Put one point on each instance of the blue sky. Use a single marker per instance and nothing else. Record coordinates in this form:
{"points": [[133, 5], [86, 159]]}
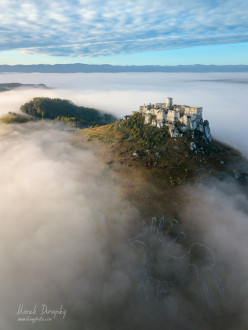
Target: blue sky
{"points": [[165, 32]]}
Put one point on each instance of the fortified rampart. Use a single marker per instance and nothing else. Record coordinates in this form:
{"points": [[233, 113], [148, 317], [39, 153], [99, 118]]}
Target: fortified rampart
{"points": [[178, 118]]}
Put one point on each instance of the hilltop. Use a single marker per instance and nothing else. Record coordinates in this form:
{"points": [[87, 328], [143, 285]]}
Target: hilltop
{"points": [[65, 110], [154, 148], [58, 110], [153, 166]]}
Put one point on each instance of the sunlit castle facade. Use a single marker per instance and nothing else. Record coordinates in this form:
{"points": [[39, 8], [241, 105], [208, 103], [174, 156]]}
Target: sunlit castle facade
{"points": [[178, 118]]}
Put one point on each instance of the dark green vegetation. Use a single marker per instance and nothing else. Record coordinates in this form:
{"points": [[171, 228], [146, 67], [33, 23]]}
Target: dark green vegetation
{"points": [[65, 110], [146, 135], [9, 86]]}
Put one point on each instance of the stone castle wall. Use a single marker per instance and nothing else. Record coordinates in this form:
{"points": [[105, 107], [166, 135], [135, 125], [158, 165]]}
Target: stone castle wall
{"points": [[168, 114]]}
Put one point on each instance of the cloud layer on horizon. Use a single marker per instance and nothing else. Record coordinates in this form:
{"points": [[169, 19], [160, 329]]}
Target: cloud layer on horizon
{"points": [[222, 95], [96, 28]]}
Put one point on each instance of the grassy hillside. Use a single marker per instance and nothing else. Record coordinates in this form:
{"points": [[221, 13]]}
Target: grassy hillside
{"points": [[152, 166], [65, 110], [110, 132], [153, 148], [12, 117]]}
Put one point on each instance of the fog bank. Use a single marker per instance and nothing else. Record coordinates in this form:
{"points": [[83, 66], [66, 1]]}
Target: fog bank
{"points": [[223, 95], [69, 238], [63, 230], [218, 211]]}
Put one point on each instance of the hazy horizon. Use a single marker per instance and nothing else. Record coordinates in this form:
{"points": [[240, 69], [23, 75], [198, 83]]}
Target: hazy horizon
{"points": [[81, 67], [222, 95]]}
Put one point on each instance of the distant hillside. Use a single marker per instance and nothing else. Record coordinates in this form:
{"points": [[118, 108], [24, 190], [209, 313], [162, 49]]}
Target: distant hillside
{"points": [[87, 68], [12, 118], [65, 110], [9, 86]]}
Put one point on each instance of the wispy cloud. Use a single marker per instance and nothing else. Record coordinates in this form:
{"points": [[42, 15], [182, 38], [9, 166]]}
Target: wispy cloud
{"points": [[94, 28]]}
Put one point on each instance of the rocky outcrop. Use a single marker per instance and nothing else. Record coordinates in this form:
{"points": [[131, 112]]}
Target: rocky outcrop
{"points": [[206, 130], [203, 127]]}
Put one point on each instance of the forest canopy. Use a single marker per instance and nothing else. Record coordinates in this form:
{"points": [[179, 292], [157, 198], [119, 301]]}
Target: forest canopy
{"points": [[65, 110]]}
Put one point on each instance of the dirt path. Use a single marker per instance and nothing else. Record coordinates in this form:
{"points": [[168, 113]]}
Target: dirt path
{"points": [[129, 135]]}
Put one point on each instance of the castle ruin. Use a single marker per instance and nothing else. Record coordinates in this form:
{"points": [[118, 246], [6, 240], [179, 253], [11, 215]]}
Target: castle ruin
{"points": [[178, 118]]}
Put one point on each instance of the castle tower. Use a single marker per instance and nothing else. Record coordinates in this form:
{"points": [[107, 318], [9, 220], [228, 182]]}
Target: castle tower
{"points": [[169, 101]]}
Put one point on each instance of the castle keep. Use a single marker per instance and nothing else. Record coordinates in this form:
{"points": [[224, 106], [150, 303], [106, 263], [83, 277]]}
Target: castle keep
{"points": [[178, 118]]}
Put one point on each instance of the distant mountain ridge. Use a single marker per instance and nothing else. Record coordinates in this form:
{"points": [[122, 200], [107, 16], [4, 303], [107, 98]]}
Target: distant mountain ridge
{"points": [[107, 68]]}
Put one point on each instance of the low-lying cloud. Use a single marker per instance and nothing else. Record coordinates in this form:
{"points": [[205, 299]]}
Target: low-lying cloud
{"points": [[66, 244], [66, 227], [219, 213], [63, 230], [223, 95]]}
